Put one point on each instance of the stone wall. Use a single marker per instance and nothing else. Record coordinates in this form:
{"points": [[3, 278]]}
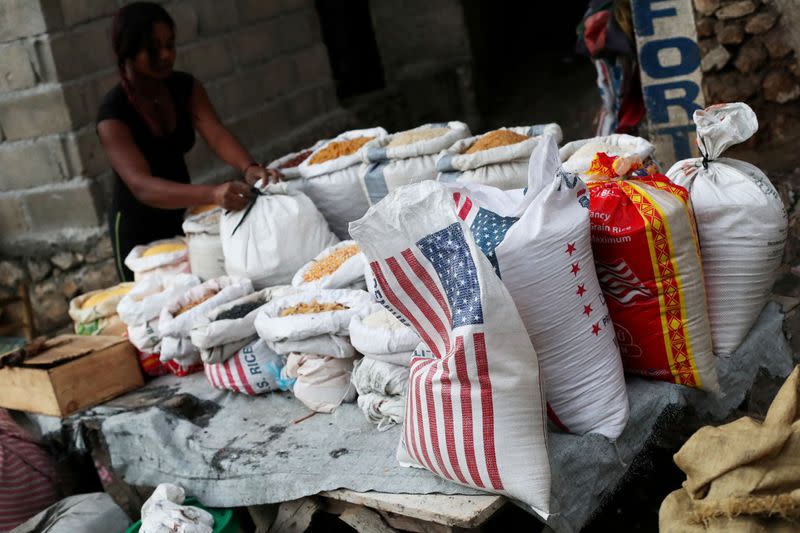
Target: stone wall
{"points": [[750, 53]]}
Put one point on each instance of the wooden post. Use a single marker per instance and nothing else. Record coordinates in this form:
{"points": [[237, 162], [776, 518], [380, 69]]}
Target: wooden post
{"points": [[669, 62]]}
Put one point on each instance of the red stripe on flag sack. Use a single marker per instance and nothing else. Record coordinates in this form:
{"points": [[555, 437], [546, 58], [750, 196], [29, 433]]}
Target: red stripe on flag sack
{"points": [[449, 432], [227, 368], [465, 209], [457, 197], [420, 428], [426, 278], [433, 417], [423, 305], [412, 447], [242, 376], [488, 410], [218, 368], [390, 295], [554, 418], [466, 412], [207, 372]]}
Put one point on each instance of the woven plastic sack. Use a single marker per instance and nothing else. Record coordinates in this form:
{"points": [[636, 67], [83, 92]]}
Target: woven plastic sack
{"points": [[206, 258], [377, 334], [475, 412], [349, 275], [268, 242], [293, 173], [165, 256], [335, 186], [504, 167], [540, 246], [577, 156], [321, 383], [95, 313], [741, 222], [252, 370], [386, 167], [648, 261]]}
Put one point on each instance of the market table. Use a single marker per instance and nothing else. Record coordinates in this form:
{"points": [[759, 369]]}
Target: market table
{"points": [[231, 450]]}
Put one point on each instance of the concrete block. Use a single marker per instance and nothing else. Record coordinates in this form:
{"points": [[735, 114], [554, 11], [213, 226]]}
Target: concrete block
{"points": [[21, 18], [71, 205], [294, 5], [213, 20], [253, 10], [199, 159], [44, 64], [90, 43], [275, 78], [87, 157], [295, 31], [312, 65], [262, 125], [16, 69], [32, 163], [83, 96], [304, 105], [206, 60], [257, 43], [185, 18], [13, 220], [236, 94], [78, 11], [35, 112]]}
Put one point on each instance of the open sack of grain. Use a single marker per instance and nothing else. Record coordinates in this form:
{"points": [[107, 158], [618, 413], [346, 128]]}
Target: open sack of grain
{"points": [[95, 313], [381, 390], [204, 244], [339, 267], [165, 256], [498, 158], [180, 314], [271, 240], [289, 164], [577, 156], [332, 178], [406, 157], [741, 222], [377, 334], [539, 245]]}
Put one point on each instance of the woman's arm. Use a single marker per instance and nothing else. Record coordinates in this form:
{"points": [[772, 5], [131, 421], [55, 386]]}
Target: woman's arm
{"points": [[222, 141], [129, 162]]}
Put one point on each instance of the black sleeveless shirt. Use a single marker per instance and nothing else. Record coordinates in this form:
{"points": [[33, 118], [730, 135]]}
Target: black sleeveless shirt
{"points": [[134, 222]]}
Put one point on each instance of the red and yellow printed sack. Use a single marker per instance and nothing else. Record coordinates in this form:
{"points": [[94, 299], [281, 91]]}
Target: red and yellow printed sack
{"points": [[647, 255]]}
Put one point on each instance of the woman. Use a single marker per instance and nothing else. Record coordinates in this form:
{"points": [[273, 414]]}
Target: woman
{"points": [[147, 123]]}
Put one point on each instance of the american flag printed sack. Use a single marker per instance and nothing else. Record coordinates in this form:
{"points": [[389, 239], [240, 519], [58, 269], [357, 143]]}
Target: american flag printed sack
{"points": [[648, 260], [541, 248], [253, 370], [475, 411]]}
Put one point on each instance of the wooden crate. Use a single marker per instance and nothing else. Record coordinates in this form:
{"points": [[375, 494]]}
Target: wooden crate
{"points": [[72, 373]]}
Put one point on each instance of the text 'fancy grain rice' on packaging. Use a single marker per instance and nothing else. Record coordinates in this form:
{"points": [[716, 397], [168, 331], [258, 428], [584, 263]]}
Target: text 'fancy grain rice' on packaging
{"points": [[648, 262]]}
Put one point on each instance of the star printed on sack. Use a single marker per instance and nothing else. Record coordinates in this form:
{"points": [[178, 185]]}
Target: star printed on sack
{"points": [[596, 329], [581, 290], [570, 249], [575, 269], [489, 229], [587, 310]]}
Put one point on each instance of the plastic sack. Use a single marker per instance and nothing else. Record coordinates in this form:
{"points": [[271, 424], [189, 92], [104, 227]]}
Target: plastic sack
{"points": [[85, 513], [378, 334], [94, 313], [291, 173], [268, 242], [540, 246], [475, 412], [321, 383], [254, 369], [577, 156], [386, 167], [205, 246], [163, 511], [182, 313], [504, 167], [335, 186], [384, 378], [349, 274], [383, 411], [741, 222], [148, 296], [648, 261], [165, 256]]}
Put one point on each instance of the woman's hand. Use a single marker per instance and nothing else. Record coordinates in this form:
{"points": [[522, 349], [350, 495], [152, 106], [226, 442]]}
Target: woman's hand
{"points": [[255, 173], [232, 195]]}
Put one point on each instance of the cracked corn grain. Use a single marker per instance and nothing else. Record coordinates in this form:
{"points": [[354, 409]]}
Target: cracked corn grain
{"points": [[330, 264], [195, 303], [313, 307], [496, 138], [164, 249], [411, 137], [337, 149]]}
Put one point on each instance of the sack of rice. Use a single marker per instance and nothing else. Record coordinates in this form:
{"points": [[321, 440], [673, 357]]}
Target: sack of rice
{"points": [[205, 246], [741, 222], [648, 261], [406, 157], [188, 310], [253, 369], [95, 313], [339, 267], [540, 246], [378, 334], [381, 391], [231, 326], [321, 383], [577, 156], [268, 242], [332, 178], [166, 256], [311, 321], [498, 158], [289, 164]]}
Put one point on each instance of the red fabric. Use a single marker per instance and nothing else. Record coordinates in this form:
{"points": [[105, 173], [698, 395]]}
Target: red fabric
{"points": [[594, 32], [27, 475]]}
